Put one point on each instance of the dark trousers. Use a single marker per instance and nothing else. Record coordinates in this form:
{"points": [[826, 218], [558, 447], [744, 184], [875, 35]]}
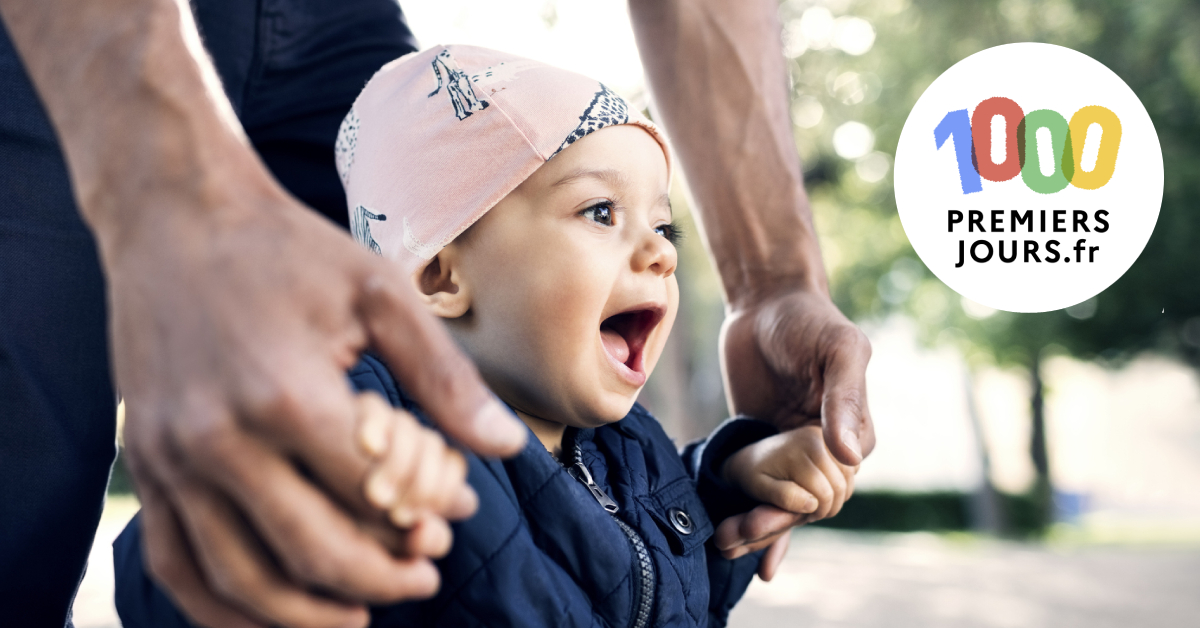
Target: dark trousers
{"points": [[291, 68]]}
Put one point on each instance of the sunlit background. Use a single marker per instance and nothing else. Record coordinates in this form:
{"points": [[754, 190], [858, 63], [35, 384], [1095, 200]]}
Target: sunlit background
{"points": [[1032, 470]]}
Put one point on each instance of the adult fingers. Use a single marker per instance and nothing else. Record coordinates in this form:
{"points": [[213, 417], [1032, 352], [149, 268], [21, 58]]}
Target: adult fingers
{"points": [[169, 562], [239, 571], [748, 548], [761, 522], [313, 416], [849, 433], [773, 558], [425, 359], [314, 540], [430, 536]]}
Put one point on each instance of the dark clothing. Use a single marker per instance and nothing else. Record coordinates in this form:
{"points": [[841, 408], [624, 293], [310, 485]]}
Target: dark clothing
{"points": [[57, 410], [542, 551], [292, 68]]}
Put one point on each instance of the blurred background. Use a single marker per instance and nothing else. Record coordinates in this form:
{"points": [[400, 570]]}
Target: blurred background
{"points": [[1032, 469]]}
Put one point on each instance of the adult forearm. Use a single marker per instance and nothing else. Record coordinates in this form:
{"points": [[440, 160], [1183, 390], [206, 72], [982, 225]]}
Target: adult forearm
{"points": [[788, 356], [719, 81], [136, 102]]}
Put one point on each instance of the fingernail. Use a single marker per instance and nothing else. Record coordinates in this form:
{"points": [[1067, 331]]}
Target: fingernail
{"points": [[381, 491], [810, 506], [850, 440], [403, 517], [505, 430], [373, 436]]}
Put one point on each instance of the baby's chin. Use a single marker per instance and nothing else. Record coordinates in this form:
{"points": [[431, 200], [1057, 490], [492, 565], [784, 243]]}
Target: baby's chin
{"points": [[600, 415], [567, 405]]}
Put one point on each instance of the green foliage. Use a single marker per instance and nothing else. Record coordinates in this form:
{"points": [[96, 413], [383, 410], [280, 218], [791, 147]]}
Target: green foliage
{"points": [[940, 511], [1154, 45], [902, 512]]}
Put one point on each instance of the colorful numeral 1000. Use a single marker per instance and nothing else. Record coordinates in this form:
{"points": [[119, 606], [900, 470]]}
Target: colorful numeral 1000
{"points": [[973, 142]]}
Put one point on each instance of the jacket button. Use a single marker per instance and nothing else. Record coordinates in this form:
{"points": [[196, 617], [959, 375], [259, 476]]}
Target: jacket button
{"points": [[680, 521]]}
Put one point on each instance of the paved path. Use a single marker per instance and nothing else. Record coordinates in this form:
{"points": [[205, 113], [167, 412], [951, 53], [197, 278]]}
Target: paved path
{"points": [[847, 580], [852, 580]]}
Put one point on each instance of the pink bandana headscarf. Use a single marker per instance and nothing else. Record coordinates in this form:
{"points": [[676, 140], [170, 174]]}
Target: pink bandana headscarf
{"points": [[438, 137]]}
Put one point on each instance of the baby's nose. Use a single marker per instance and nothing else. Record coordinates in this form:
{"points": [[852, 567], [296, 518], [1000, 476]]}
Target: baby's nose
{"points": [[655, 254]]}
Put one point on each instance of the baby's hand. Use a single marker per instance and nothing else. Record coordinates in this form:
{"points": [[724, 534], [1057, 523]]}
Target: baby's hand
{"points": [[793, 471], [417, 479]]}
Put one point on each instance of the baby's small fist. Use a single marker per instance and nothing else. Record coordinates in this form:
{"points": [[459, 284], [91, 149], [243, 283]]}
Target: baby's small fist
{"points": [[416, 475], [793, 471]]}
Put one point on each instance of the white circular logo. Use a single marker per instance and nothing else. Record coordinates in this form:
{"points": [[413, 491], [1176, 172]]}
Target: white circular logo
{"points": [[1028, 177]]}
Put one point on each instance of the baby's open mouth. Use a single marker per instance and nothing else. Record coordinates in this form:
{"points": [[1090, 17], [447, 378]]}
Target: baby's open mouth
{"points": [[624, 335]]}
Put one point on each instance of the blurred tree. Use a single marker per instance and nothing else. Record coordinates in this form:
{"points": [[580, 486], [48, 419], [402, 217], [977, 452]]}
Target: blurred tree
{"points": [[859, 67]]}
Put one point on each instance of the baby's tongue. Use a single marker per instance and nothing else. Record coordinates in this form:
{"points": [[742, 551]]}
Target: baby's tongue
{"points": [[615, 344]]}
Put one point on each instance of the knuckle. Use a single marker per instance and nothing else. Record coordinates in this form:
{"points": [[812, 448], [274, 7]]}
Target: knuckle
{"points": [[851, 336], [164, 567], [144, 455], [824, 495], [796, 501], [848, 398], [276, 403], [324, 568], [207, 436], [236, 586], [305, 567], [844, 333], [378, 289], [847, 341]]}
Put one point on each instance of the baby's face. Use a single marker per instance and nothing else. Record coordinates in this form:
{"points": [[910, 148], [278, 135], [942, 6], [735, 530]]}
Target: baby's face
{"points": [[570, 281]]}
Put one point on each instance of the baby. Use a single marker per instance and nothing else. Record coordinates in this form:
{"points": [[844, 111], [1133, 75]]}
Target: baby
{"points": [[530, 205]]}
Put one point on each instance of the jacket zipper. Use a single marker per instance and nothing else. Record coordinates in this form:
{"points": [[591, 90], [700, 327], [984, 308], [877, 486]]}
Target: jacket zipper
{"points": [[644, 588]]}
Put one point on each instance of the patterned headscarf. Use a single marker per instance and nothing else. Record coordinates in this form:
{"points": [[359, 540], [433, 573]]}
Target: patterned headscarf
{"points": [[438, 137]]}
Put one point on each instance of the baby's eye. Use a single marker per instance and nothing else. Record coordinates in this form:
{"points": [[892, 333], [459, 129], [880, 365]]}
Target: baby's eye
{"points": [[671, 232], [600, 212]]}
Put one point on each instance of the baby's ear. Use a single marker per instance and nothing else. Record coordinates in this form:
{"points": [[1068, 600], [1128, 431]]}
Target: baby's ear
{"points": [[441, 285]]}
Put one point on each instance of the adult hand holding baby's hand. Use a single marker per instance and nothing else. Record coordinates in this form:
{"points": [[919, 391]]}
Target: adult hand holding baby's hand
{"points": [[792, 358], [797, 478], [235, 314]]}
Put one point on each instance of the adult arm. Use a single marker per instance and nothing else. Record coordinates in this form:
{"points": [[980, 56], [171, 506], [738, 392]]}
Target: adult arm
{"points": [[234, 313], [719, 80]]}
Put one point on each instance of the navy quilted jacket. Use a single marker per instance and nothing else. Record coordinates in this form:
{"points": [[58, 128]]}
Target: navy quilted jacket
{"points": [[615, 536]]}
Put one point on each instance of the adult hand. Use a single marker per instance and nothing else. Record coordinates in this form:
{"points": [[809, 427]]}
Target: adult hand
{"points": [[788, 354], [234, 317], [234, 313], [794, 359]]}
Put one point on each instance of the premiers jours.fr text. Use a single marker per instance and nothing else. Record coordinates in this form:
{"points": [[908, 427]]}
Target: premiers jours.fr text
{"points": [[1027, 221]]}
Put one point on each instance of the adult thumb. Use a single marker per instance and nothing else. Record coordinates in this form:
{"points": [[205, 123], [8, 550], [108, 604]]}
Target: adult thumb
{"points": [[426, 361]]}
